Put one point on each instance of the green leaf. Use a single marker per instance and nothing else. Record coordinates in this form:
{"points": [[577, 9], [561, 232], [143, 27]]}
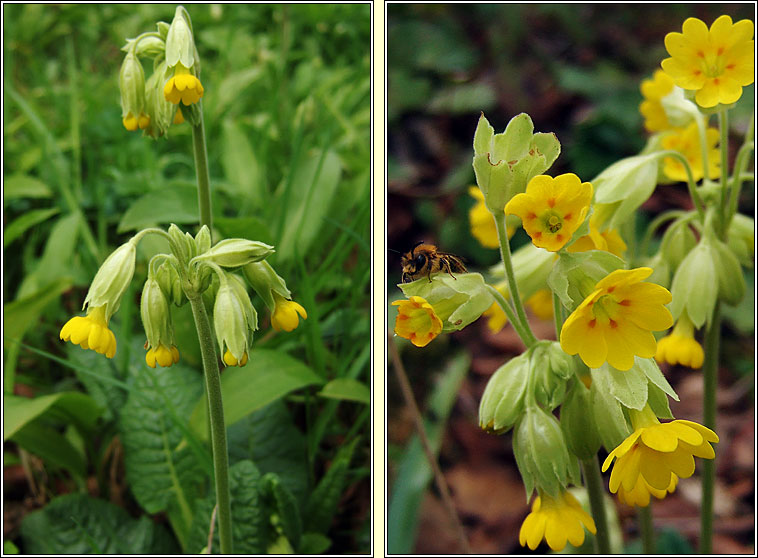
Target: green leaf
{"points": [[658, 401], [609, 416], [463, 98], [250, 529], [9, 547], [173, 204], [20, 411], [233, 86], [277, 446], [24, 186], [162, 472], [650, 368], [19, 315], [311, 195], [267, 376], [29, 219], [322, 502], [347, 389], [241, 165], [629, 387], [107, 394], [286, 508], [413, 471], [314, 543], [50, 445], [80, 524]]}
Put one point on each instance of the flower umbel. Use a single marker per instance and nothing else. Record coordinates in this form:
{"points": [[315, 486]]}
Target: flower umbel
{"points": [[552, 209], [687, 142], [615, 322], [285, 314], [91, 332], [417, 321], [680, 346], [716, 63], [557, 520], [656, 452]]}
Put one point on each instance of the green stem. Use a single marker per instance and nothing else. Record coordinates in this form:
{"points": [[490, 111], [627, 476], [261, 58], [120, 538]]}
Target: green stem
{"points": [[216, 416], [503, 303], [740, 166], [593, 480], [710, 376], [505, 253], [724, 150], [557, 315], [702, 124], [696, 199], [203, 177], [647, 531], [653, 226]]}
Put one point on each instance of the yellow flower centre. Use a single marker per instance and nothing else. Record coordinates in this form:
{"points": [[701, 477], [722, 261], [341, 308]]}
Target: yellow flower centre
{"points": [[606, 309]]}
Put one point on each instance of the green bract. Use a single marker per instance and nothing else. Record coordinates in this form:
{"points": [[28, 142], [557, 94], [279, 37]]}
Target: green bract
{"points": [[504, 163]]}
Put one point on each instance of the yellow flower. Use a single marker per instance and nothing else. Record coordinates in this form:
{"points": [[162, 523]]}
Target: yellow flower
{"points": [[131, 122], [541, 304], [229, 359], [687, 142], [417, 321], [557, 520], [640, 494], [608, 240], [680, 346], [183, 87], [162, 355], [482, 223], [285, 313], [496, 318], [653, 90], [614, 323], [91, 332], [552, 209], [715, 63], [657, 451]]}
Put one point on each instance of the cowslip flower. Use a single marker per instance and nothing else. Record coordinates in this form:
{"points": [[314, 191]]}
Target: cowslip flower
{"points": [[656, 452], [417, 321], [132, 122], [640, 495], [680, 347], [615, 322], [162, 356], [91, 332], [687, 142], [183, 87], [552, 209], [716, 63], [230, 360], [285, 313], [497, 319], [557, 520], [653, 90], [541, 304], [482, 223], [608, 240]]}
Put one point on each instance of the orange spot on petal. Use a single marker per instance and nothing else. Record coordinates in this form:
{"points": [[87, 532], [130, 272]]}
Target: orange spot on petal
{"points": [[551, 202], [567, 216], [613, 324], [537, 235], [611, 288], [592, 322], [700, 54], [559, 237], [625, 302]]}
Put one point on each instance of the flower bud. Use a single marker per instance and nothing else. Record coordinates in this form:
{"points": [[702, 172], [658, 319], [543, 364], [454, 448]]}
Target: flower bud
{"points": [[695, 286], [265, 281], [148, 46], [503, 400], [578, 425], [156, 320], [541, 453], [679, 110], [112, 279], [180, 47], [457, 301], [161, 112], [170, 283], [677, 242], [234, 318], [132, 87], [163, 28], [731, 279], [203, 240], [741, 238], [236, 252], [183, 244], [549, 368], [504, 163]]}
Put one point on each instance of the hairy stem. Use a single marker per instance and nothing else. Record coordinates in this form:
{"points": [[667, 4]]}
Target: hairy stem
{"points": [[647, 531], [593, 480], [203, 177], [216, 416], [710, 375]]}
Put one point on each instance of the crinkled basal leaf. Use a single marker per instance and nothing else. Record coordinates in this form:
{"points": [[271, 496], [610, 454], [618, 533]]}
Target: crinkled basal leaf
{"points": [[322, 502], [251, 531], [160, 471], [80, 524]]}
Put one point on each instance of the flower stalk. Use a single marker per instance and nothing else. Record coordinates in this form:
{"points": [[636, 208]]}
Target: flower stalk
{"points": [[593, 480], [203, 176]]}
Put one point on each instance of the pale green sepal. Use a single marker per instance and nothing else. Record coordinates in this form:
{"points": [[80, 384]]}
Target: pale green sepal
{"points": [[265, 281], [661, 270], [180, 47], [695, 285], [608, 415], [203, 240], [629, 181], [230, 321], [163, 28], [131, 83], [741, 238], [156, 318], [182, 245], [650, 368], [549, 369], [574, 275], [112, 279], [170, 283], [503, 400], [658, 401], [240, 289], [731, 279], [513, 144], [578, 425], [629, 387], [677, 242], [149, 46], [679, 110], [236, 252]]}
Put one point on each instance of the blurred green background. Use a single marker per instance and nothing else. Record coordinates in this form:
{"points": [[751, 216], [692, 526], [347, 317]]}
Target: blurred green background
{"points": [[287, 119], [576, 70]]}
